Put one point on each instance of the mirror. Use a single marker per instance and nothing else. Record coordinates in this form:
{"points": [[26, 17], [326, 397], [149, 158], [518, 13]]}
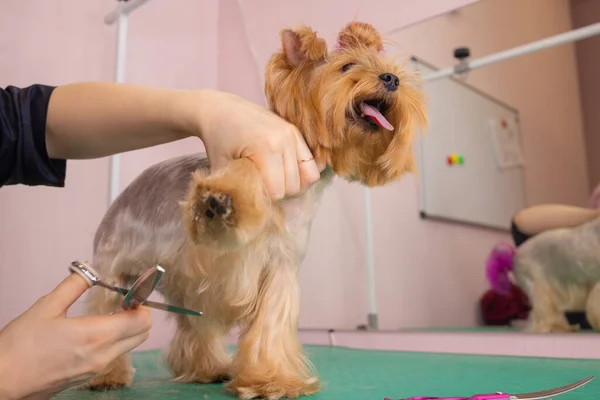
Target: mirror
{"points": [[516, 138]]}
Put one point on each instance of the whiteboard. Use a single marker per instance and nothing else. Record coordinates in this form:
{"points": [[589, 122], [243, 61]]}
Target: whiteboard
{"points": [[487, 188]]}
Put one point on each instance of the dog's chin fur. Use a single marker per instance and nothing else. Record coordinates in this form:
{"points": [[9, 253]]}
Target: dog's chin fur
{"points": [[559, 270], [230, 251]]}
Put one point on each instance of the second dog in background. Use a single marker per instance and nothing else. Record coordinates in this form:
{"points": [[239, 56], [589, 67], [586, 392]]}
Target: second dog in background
{"points": [[232, 252]]}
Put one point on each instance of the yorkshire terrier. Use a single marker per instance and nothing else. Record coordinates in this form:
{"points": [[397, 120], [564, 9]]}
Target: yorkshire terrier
{"points": [[228, 249], [559, 270]]}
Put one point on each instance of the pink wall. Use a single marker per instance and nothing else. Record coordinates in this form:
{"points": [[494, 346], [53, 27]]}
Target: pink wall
{"points": [[203, 44], [585, 12]]}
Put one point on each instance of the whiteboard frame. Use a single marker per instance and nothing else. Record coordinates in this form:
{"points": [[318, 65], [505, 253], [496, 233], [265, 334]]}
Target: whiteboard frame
{"points": [[419, 155]]}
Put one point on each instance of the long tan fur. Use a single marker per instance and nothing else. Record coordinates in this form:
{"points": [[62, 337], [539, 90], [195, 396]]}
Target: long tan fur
{"points": [[229, 250]]}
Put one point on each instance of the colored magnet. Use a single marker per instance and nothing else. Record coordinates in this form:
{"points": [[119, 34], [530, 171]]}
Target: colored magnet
{"points": [[454, 159]]}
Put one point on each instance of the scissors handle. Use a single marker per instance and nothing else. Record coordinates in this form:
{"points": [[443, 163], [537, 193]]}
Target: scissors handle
{"points": [[545, 394], [476, 397]]}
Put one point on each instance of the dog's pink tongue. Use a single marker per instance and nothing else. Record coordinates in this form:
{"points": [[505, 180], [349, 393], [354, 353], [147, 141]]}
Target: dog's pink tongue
{"points": [[375, 116]]}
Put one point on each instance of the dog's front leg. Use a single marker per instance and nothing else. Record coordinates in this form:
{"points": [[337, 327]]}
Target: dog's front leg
{"points": [[197, 352], [227, 209], [270, 362]]}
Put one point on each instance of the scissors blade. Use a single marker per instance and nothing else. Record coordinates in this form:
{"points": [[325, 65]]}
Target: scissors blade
{"points": [[170, 308], [552, 392], [144, 286]]}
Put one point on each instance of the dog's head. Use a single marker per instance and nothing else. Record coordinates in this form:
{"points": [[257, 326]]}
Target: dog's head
{"points": [[357, 110]]}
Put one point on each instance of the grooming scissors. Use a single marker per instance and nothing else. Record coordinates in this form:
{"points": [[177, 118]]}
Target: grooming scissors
{"points": [[138, 293], [546, 394]]}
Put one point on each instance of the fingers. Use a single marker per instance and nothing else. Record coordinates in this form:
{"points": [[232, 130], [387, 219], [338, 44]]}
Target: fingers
{"points": [[123, 324], [291, 170], [100, 339], [272, 173], [287, 167], [65, 294], [127, 344], [307, 166]]}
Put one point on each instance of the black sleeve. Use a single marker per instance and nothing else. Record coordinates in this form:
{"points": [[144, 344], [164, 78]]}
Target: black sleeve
{"points": [[23, 156]]}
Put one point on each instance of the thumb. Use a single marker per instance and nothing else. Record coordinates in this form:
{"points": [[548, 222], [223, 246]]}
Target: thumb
{"points": [[66, 293], [216, 159]]}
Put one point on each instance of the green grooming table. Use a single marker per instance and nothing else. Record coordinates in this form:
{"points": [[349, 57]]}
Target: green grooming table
{"points": [[368, 374], [488, 329]]}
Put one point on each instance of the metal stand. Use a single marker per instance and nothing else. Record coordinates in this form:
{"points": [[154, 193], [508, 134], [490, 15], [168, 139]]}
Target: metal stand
{"points": [[372, 317], [463, 66], [121, 16]]}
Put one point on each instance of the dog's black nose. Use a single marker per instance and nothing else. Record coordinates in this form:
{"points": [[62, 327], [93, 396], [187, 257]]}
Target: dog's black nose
{"points": [[390, 81]]}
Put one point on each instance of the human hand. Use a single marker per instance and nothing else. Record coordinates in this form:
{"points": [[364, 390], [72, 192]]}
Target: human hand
{"points": [[42, 352], [234, 128]]}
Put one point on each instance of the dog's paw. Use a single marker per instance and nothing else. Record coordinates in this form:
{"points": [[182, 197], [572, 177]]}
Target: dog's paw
{"points": [[111, 381], [273, 388], [553, 327], [213, 210], [200, 370], [204, 377], [216, 207], [225, 210]]}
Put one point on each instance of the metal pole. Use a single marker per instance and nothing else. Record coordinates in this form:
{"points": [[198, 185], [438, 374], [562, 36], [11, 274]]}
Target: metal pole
{"points": [[121, 16], [121, 62], [124, 7], [567, 37], [372, 317]]}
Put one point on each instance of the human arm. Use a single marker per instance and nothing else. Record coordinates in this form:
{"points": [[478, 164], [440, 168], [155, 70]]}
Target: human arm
{"points": [[99, 119], [543, 217], [44, 126], [90, 120], [42, 352]]}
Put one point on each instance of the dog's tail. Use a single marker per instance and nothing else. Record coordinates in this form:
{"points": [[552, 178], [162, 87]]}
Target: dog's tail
{"points": [[499, 265]]}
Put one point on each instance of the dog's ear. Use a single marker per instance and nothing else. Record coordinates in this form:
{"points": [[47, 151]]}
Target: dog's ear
{"points": [[360, 34], [302, 44]]}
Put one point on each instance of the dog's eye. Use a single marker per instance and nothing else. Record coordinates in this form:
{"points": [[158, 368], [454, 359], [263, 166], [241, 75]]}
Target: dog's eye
{"points": [[346, 67]]}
